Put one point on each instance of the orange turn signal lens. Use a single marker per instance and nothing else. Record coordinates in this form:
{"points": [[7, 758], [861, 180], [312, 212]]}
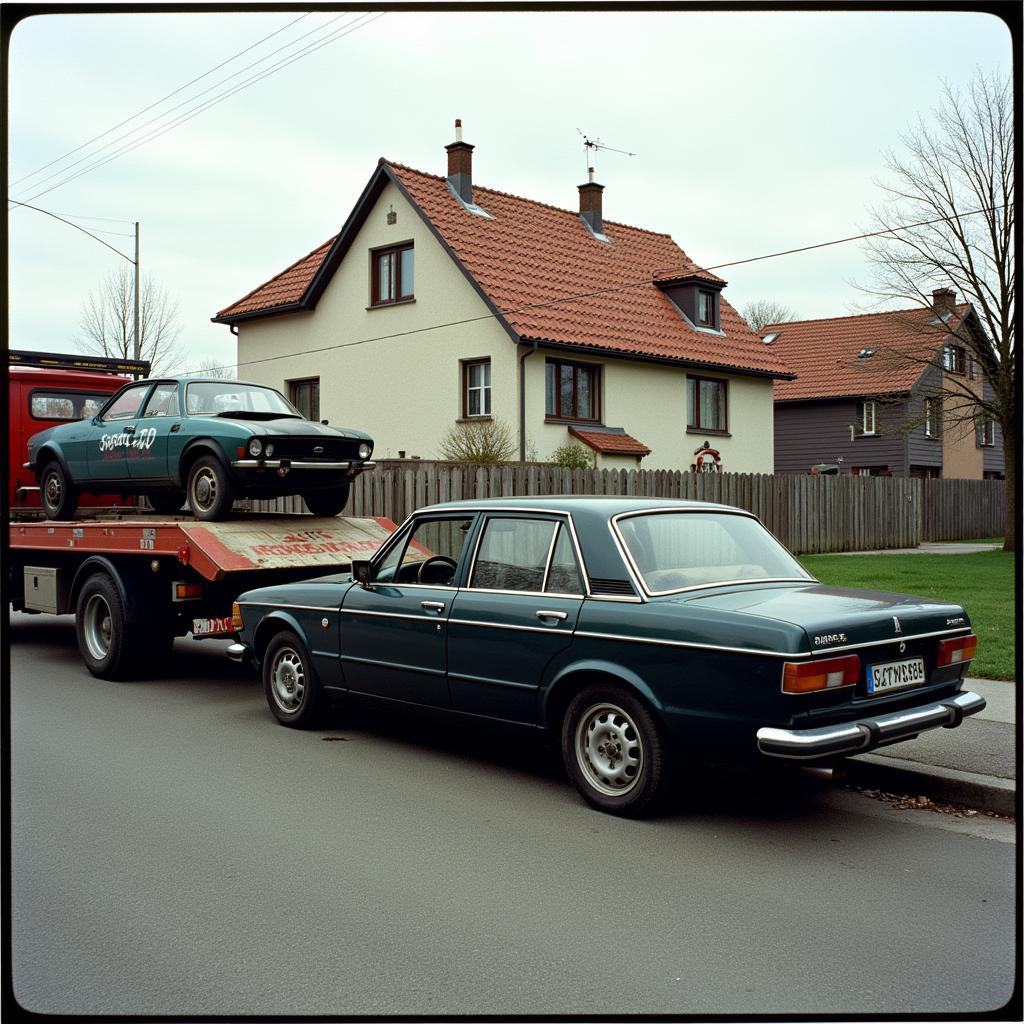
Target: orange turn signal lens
{"points": [[808, 676], [187, 591], [957, 651], [236, 617]]}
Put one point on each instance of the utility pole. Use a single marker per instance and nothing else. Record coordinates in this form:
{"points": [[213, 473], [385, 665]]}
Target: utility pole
{"points": [[138, 340]]}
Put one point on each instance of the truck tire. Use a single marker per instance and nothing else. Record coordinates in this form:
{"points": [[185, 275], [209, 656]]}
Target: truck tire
{"points": [[210, 494], [105, 639], [327, 503], [56, 492]]}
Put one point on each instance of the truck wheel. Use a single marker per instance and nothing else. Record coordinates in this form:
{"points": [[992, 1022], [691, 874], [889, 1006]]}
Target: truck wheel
{"points": [[59, 498], [209, 490], [103, 631], [166, 504], [290, 682], [614, 751], [327, 503]]}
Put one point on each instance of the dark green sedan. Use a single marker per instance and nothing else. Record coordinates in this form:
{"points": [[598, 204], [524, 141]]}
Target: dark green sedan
{"points": [[639, 633], [204, 441]]}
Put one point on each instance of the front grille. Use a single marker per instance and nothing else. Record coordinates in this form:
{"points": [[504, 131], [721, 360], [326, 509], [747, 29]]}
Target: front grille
{"points": [[335, 449]]}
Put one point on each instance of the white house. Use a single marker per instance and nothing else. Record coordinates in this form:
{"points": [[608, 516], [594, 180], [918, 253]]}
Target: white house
{"points": [[440, 301]]}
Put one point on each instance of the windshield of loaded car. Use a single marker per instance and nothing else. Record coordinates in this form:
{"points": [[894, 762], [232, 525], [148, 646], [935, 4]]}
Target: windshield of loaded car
{"points": [[230, 398], [676, 550]]}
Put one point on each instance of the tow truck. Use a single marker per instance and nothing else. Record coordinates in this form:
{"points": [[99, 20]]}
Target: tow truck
{"points": [[135, 581]]}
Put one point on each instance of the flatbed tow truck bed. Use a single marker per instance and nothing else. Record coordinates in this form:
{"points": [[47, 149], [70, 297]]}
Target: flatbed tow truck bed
{"points": [[135, 581]]}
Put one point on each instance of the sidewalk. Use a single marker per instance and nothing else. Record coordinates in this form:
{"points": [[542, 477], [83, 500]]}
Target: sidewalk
{"points": [[943, 547], [974, 765]]}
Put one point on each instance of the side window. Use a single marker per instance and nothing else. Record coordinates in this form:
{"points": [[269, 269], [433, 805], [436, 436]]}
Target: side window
{"points": [[65, 405], [513, 554], [163, 401], [126, 405], [429, 555], [564, 572]]}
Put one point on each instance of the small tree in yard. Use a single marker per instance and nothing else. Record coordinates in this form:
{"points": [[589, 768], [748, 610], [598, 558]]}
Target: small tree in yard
{"points": [[108, 322], [761, 313], [949, 220], [482, 440], [573, 456]]}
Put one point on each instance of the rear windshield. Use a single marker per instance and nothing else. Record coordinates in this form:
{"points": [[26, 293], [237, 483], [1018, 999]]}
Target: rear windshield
{"points": [[676, 550]]}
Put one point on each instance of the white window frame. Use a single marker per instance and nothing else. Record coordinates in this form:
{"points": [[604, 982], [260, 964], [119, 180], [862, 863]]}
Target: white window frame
{"points": [[865, 432], [931, 418], [483, 389], [986, 432]]}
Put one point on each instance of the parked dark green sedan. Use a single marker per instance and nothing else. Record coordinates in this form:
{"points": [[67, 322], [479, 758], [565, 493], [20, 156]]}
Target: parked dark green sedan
{"points": [[638, 632], [207, 441]]}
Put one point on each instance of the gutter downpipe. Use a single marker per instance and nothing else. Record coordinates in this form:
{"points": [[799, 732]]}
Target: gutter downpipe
{"points": [[522, 401]]}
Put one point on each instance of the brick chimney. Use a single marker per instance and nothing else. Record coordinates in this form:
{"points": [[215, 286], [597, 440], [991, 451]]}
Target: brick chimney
{"points": [[590, 203], [460, 165], [943, 301]]}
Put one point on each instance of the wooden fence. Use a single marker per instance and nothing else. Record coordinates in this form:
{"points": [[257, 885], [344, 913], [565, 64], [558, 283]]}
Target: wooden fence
{"points": [[809, 514]]}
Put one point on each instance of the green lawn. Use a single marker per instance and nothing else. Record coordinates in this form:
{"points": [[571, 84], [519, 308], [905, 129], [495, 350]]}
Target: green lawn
{"points": [[982, 583]]}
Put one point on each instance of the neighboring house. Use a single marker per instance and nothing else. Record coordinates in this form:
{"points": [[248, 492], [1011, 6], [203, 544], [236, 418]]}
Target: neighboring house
{"points": [[869, 394], [442, 302]]}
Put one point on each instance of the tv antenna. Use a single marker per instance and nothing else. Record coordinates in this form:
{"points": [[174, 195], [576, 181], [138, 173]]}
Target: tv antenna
{"points": [[596, 144]]}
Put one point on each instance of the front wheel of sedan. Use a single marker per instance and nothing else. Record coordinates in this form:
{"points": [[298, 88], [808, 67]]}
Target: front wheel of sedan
{"points": [[210, 493], [290, 683], [615, 751], [327, 503], [57, 494]]}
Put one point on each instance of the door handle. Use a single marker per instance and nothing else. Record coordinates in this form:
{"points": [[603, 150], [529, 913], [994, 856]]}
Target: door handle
{"points": [[557, 616], [432, 606], [128, 430]]}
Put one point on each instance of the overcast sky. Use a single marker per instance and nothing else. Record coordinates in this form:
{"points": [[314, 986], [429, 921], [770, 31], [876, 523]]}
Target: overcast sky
{"points": [[753, 132]]}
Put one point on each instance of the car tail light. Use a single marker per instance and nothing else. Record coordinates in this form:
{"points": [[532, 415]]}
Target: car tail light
{"points": [[808, 676], [187, 591], [236, 617], [957, 651]]}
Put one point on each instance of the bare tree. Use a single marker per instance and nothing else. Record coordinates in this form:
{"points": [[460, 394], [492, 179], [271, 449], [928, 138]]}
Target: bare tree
{"points": [[485, 441], [108, 322], [953, 182], [210, 367], [761, 313]]}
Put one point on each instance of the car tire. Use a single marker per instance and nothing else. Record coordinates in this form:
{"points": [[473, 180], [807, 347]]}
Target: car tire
{"points": [[290, 682], [615, 751], [327, 503], [166, 503], [105, 638], [210, 494], [56, 492]]}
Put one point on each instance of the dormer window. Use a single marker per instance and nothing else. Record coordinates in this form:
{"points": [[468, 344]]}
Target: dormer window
{"points": [[391, 275], [954, 359], [705, 308], [696, 298]]}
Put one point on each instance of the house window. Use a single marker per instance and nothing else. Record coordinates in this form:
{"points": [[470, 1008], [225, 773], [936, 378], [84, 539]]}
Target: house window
{"points": [[706, 308], [867, 418], [986, 432], [953, 359], [392, 275], [706, 404], [476, 388], [973, 367], [305, 396], [932, 412], [871, 471], [572, 391]]}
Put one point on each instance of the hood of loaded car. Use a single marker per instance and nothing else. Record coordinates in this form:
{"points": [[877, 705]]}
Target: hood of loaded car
{"points": [[837, 616], [289, 427]]}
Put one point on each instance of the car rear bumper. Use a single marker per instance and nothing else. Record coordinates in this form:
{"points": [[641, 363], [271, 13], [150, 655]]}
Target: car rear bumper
{"points": [[238, 652], [867, 733]]}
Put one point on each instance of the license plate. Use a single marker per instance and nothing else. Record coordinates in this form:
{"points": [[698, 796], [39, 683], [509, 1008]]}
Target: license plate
{"points": [[894, 675], [212, 627]]}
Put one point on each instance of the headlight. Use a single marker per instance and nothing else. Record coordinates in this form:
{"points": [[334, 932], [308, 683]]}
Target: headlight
{"points": [[365, 450], [270, 450], [255, 447]]}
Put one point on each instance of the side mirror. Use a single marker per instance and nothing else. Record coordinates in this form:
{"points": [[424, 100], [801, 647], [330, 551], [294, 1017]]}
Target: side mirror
{"points": [[361, 571], [326, 423]]}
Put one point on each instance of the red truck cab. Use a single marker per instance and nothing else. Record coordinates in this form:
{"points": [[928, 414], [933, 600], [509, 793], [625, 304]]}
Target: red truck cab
{"points": [[46, 389]]}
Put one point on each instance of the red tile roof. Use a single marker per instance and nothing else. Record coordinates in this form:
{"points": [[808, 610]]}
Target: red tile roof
{"points": [[610, 442], [552, 281], [825, 354]]}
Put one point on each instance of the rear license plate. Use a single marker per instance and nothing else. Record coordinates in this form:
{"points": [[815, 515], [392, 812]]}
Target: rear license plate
{"points": [[212, 627], [895, 675]]}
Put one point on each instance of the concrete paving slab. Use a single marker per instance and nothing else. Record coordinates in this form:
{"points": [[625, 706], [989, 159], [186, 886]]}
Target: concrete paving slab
{"points": [[1000, 696], [932, 548]]}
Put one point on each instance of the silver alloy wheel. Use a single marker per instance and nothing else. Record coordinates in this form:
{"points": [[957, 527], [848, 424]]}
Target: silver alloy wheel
{"points": [[288, 680], [53, 488], [609, 749], [204, 489], [96, 626]]}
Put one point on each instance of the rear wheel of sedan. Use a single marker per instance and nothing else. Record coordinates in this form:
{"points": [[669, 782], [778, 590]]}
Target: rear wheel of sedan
{"points": [[166, 504], [59, 498], [327, 503], [290, 682], [210, 494], [615, 751]]}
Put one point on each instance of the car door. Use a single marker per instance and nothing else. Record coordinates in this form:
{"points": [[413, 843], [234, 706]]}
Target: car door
{"points": [[517, 611], [392, 641], [113, 432], [160, 419]]}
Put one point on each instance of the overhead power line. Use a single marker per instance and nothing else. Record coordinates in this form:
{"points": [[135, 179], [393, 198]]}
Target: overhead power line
{"points": [[78, 227], [195, 111], [605, 291]]}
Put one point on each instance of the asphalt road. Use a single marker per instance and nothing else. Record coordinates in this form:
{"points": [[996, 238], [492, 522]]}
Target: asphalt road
{"points": [[175, 851]]}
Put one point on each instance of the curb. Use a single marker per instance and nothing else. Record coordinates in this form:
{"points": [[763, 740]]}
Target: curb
{"points": [[946, 785]]}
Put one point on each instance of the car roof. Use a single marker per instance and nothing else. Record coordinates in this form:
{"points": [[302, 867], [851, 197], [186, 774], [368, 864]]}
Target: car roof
{"points": [[606, 505]]}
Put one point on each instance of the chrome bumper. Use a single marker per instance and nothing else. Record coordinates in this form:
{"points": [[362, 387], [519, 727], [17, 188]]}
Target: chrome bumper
{"points": [[238, 652], [867, 733], [295, 464]]}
